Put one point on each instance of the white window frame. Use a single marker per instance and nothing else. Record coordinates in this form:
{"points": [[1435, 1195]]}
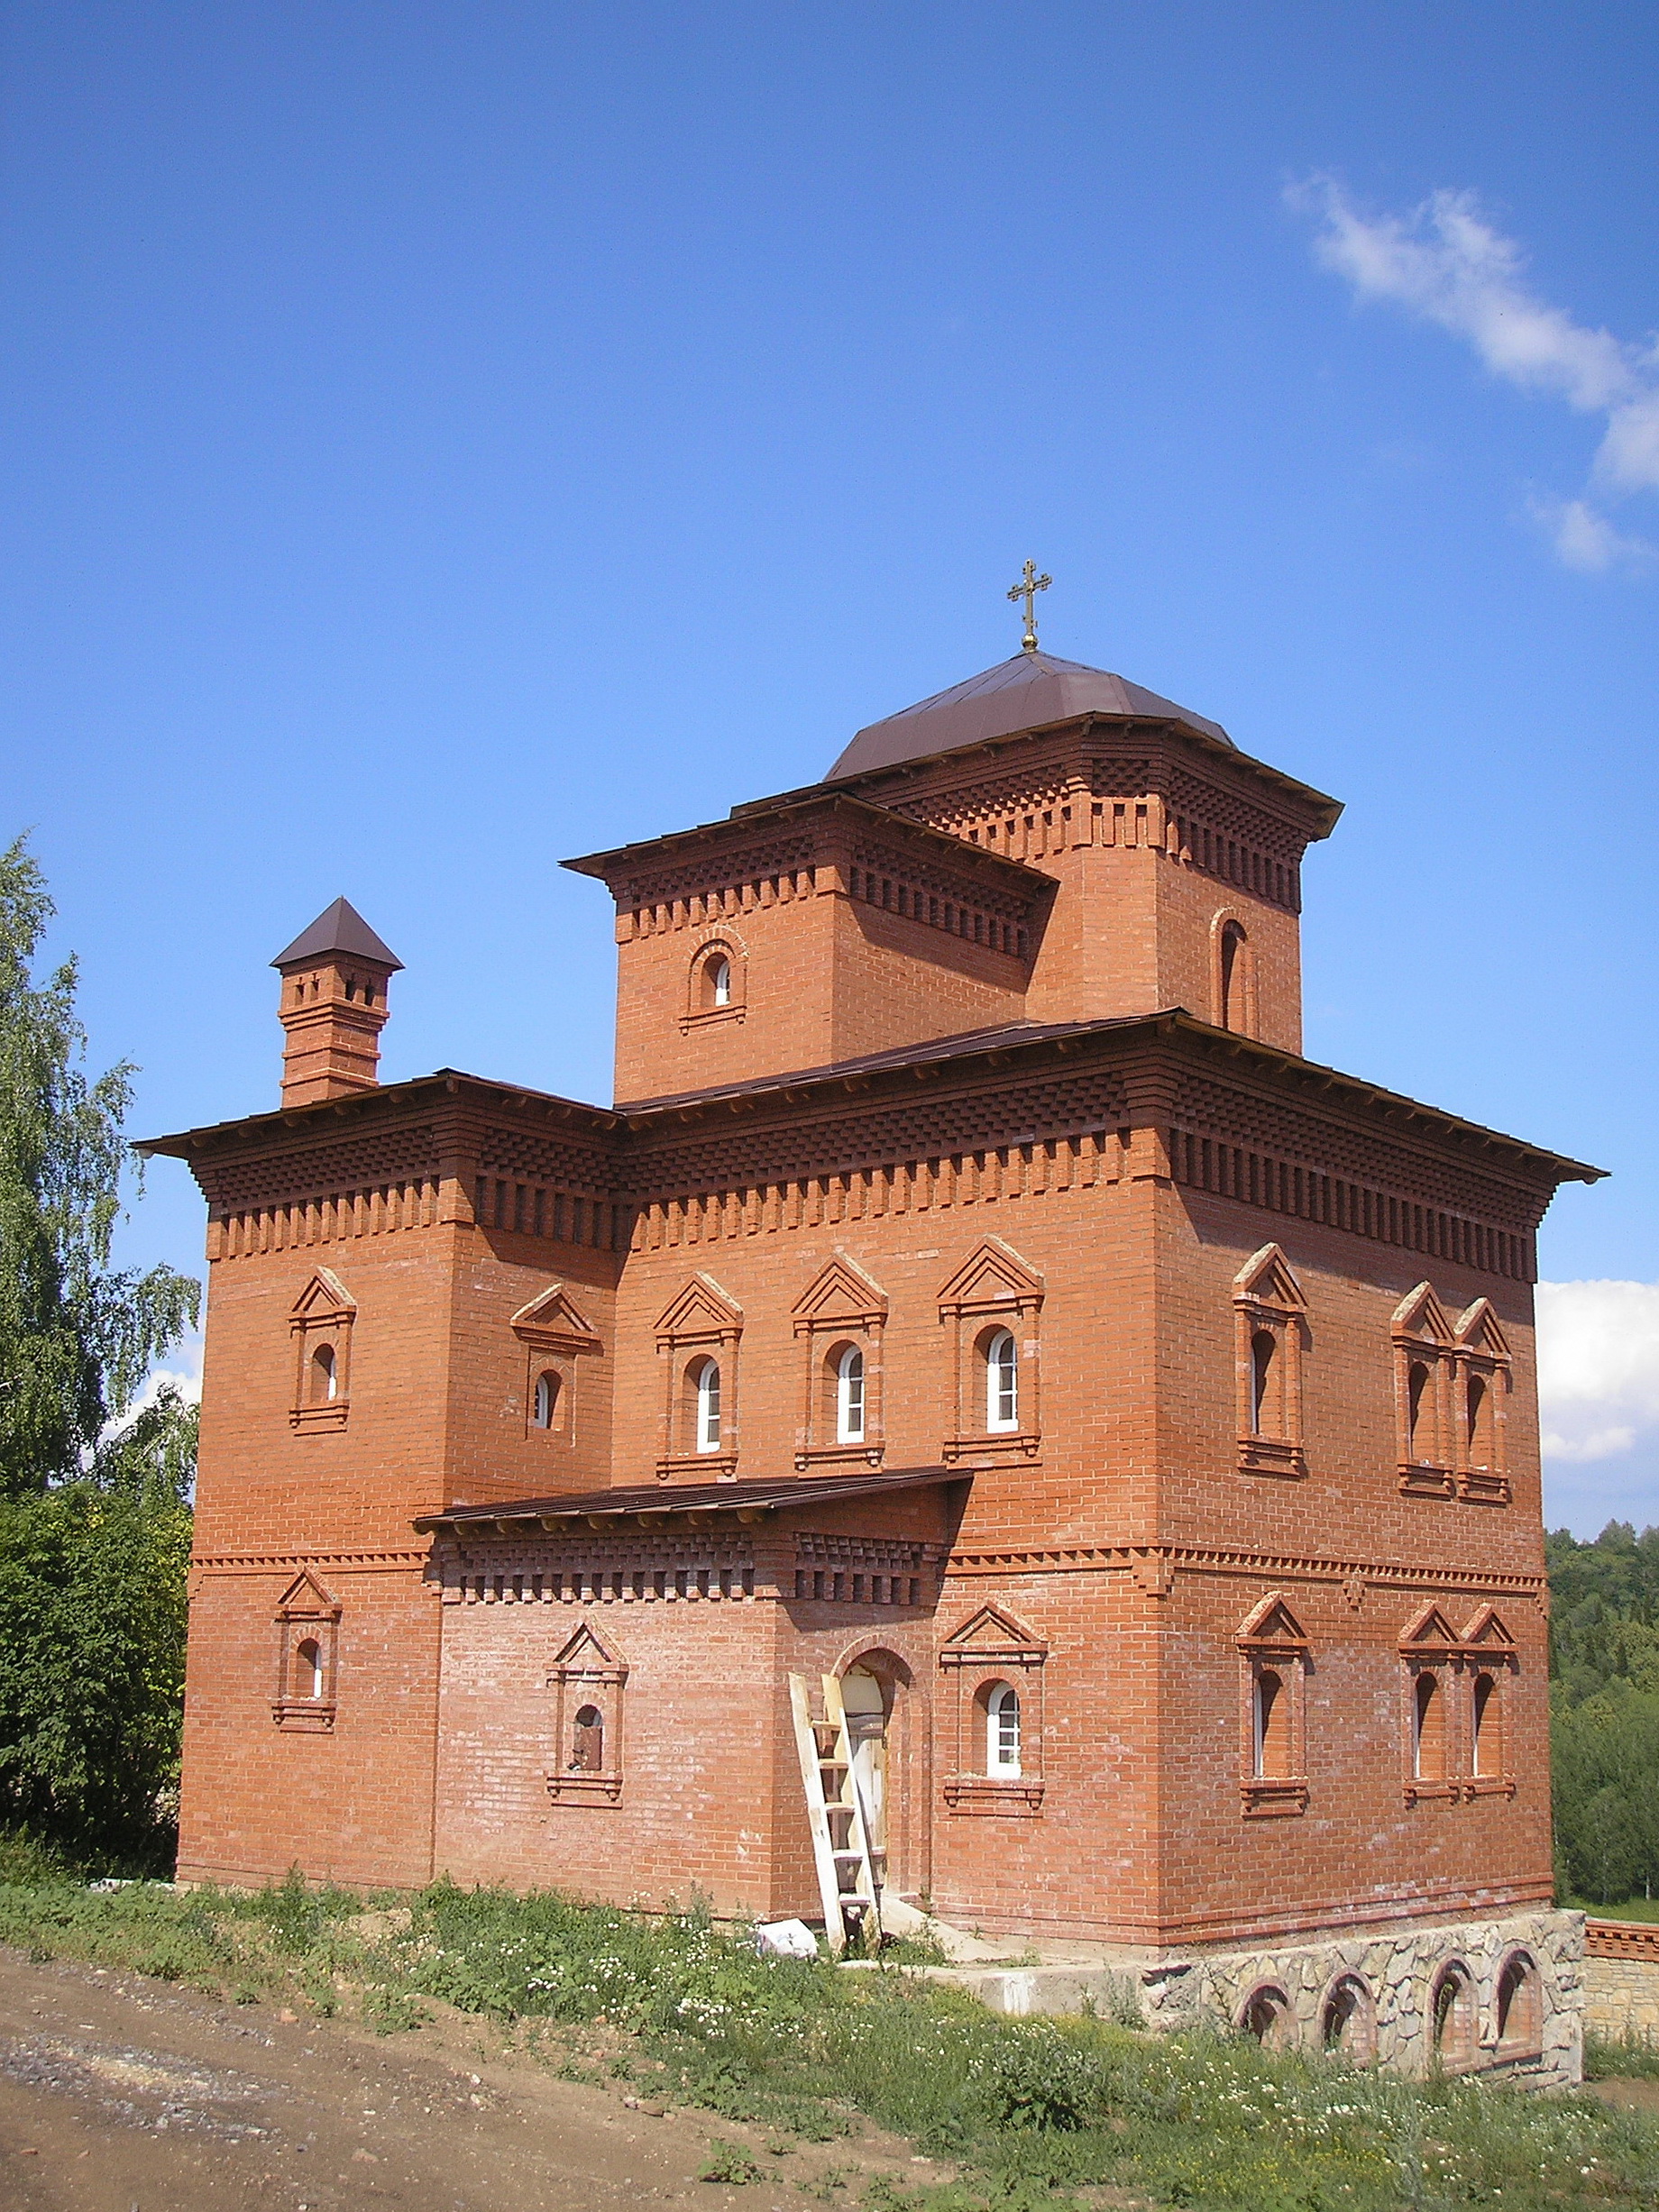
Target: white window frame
{"points": [[719, 980], [1002, 1361], [708, 1407], [546, 1399], [850, 1398], [1002, 1755]]}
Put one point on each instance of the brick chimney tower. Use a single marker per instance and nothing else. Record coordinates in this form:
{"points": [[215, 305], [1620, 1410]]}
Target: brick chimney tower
{"points": [[333, 1006]]}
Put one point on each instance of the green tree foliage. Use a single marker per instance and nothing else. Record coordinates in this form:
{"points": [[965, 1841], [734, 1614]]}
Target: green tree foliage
{"points": [[1604, 1698], [76, 1337], [92, 1621], [95, 1519]]}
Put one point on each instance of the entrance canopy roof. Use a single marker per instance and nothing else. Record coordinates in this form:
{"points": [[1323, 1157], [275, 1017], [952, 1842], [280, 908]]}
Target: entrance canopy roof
{"points": [[648, 1504]]}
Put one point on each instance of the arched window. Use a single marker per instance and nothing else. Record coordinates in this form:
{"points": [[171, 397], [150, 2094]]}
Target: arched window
{"points": [[1002, 1731], [1271, 1730], [1002, 1360], [850, 1396], [588, 1741], [1489, 1726], [545, 1406], [308, 1668], [1263, 1347], [325, 1381], [707, 1405], [1419, 1407], [1233, 964], [1428, 1729], [713, 982]]}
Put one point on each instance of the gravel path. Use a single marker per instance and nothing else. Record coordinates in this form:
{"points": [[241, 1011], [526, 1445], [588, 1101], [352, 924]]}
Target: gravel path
{"points": [[122, 2095]]}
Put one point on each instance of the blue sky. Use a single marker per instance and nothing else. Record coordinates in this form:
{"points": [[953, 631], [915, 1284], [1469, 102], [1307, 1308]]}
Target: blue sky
{"points": [[440, 439]]}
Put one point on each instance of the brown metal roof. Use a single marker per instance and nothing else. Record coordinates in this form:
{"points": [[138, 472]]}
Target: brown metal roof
{"points": [[1027, 692], [958, 1046], [593, 1507], [338, 928]]}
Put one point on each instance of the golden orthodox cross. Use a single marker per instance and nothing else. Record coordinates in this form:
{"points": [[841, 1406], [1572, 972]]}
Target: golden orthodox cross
{"points": [[1027, 589]]}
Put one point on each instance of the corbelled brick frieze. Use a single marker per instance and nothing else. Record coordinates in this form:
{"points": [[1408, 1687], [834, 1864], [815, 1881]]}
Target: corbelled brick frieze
{"points": [[999, 1123]]}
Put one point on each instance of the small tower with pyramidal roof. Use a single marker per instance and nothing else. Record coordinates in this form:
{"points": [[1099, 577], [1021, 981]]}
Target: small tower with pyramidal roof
{"points": [[333, 1007]]}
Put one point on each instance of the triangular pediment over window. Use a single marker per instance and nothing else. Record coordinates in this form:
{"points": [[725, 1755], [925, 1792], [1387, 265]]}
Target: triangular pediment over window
{"points": [[305, 1599], [1478, 1330], [1420, 1318], [992, 1637], [701, 1312], [839, 1293], [993, 1279], [1487, 1633], [554, 1323], [1430, 1631], [1271, 1626], [325, 1298], [588, 1657], [1266, 1280]]}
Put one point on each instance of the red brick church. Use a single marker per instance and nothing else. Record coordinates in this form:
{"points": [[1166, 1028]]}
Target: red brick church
{"points": [[973, 1297]]}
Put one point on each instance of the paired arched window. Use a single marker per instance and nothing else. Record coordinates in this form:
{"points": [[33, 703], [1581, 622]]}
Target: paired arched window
{"points": [[1001, 1379], [1488, 1747], [1428, 1749], [324, 1376], [1419, 1413], [545, 1406], [1002, 1706], [849, 1395], [706, 1406]]}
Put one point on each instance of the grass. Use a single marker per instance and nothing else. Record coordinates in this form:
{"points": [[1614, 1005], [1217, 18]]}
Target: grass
{"points": [[1031, 2112], [1634, 1908]]}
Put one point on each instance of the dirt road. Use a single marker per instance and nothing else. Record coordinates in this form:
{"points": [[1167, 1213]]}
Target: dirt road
{"points": [[122, 2095]]}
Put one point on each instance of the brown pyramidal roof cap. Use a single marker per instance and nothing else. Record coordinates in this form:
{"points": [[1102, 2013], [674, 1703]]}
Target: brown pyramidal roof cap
{"points": [[338, 928], [1027, 692]]}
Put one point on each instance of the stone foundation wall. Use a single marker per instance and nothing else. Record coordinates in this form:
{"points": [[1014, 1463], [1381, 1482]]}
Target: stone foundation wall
{"points": [[1374, 1997], [1621, 1997]]}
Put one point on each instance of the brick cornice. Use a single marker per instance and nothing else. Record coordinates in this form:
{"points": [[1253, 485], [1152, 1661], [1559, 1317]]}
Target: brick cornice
{"points": [[1167, 1077]]}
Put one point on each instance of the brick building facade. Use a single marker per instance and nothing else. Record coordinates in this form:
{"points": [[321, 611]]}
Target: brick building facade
{"points": [[972, 1295]]}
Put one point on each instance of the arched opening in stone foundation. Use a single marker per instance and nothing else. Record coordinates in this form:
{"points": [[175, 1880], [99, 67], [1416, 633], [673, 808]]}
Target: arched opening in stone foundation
{"points": [[1520, 2009], [1348, 2021], [1267, 2015], [1451, 2011]]}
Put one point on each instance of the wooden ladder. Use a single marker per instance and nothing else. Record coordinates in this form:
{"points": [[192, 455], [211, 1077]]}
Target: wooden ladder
{"points": [[846, 1881]]}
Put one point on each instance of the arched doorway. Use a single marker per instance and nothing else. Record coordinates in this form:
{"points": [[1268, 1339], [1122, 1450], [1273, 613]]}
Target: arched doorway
{"points": [[866, 1701], [889, 1750]]}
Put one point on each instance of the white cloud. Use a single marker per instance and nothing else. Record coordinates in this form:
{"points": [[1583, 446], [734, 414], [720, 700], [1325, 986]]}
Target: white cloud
{"points": [[1447, 264], [1585, 540], [1597, 1367], [184, 1375]]}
